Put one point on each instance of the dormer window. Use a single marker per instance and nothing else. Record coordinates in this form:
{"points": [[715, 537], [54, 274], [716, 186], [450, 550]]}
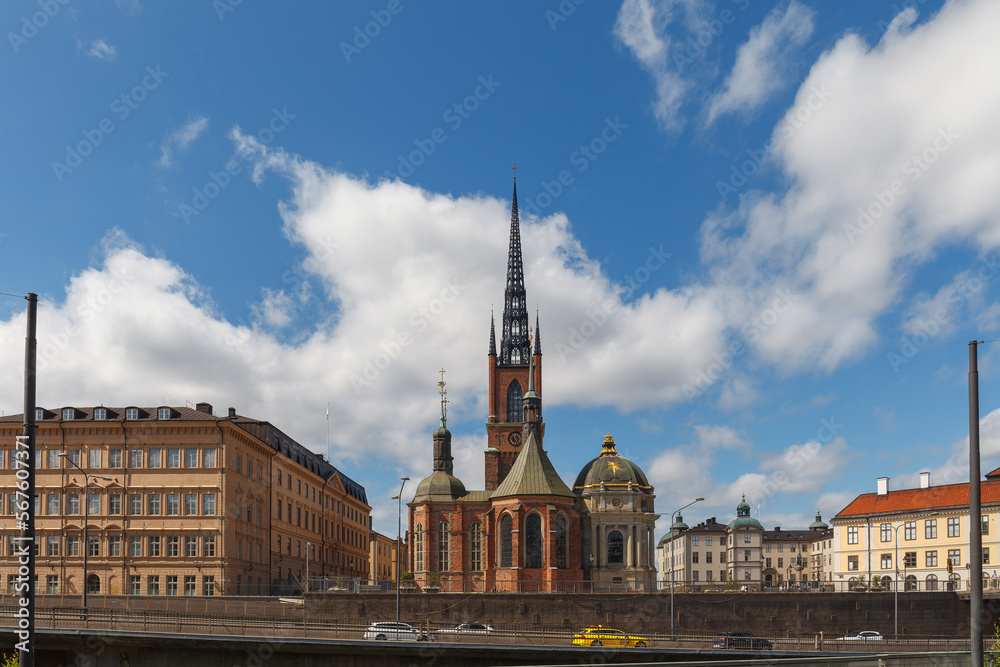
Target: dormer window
{"points": [[68, 414], [39, 413], [100, 414], [163, 413], [131, 413]]}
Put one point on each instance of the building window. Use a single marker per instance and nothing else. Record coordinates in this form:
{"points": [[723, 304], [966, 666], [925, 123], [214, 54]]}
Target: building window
{"points": [[134, 584], [52, 504], [208, 585], [418, 549], [910, 559], [852, 534], [506, 541], [932, 582], [208, 504], [930, 529], [708, 557], [39, 413], [886, 532], [209, 458], [135, 503], [172, 584], [154, 458], [953, 527], [910, 530], [135, 458], [190, 585], [94, 458], [190, 503], [173, 546], [100, 414], [68, 414], [767, 562], [163, 413], [767, 548], [955, 556], [93, 545], [133, 414], [239, 463], [852, 563], [986, 555], [444, 562], [746, 554], [616, 547], [886, 561], [208, 546], [72, 503], [173, 458], [746, 538], [153, 504], [52, 545], [94, 504], [153, 548], [94, 584], [190, 458], [515, 402], [153, 585], [533, 541], [986, 524], [74, 456], [930, 558], [694, 540], [115, 458], [72, 545], [114, 546], [249, 512], [135, 545]]}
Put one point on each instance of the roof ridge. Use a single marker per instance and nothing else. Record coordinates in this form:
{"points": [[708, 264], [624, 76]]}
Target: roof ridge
{"points": [[532, 475]]}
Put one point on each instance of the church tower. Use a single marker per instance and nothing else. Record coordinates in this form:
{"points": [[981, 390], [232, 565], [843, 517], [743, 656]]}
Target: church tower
{"points": [[511, 367]]}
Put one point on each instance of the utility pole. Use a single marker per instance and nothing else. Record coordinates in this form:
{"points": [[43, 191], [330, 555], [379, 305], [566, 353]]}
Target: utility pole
{"points": [[975, 513], [26, 474]]}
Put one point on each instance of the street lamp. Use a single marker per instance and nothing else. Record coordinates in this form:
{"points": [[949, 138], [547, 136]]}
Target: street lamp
{"points": [[86, 516], [399, 514], [672, 538]]}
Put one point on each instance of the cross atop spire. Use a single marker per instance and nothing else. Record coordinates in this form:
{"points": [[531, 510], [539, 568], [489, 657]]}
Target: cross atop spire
{"points": [[514, 345], [515, 171], [444, 399]]}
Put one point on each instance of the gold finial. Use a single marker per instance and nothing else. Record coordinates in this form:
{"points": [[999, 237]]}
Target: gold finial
{"points": [[608, 448]]}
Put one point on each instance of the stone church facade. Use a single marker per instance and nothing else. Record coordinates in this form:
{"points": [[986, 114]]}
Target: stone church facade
{"points": [[527, 530]]}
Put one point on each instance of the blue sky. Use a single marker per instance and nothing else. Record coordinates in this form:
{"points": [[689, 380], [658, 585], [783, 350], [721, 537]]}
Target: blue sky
{"points": [[760, 235]]}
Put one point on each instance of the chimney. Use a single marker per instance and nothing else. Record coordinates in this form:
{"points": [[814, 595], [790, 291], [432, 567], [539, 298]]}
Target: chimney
{"points": [[232, 413], [925, 480], [883, 486], [204, 407], [777, 529]]}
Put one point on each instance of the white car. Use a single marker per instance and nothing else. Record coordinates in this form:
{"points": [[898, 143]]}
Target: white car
{"points": [[470, 629], [396, 631], [862, 636]]}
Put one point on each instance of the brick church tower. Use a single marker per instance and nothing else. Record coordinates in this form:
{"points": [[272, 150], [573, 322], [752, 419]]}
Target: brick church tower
{"points": [[508, 370]]}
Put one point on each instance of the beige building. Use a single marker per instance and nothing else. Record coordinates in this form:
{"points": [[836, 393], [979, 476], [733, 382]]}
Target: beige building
{"points": [[698, 560], [915, 535], [181, 502], [382, 557]]}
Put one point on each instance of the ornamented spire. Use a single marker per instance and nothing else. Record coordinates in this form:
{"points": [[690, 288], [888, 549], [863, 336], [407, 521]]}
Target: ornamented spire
{"points": [[444, 400], [514, 346], [538, 335], [493, 335]]}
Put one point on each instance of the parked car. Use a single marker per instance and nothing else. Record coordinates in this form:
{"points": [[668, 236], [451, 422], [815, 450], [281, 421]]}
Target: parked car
{"points": [[470, 629], [396, 631], [599, 636], [743, 640], [862, 636]]}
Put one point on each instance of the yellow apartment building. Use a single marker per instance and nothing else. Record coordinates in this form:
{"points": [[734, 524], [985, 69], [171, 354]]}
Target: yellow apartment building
{"points": [[177, 501]]}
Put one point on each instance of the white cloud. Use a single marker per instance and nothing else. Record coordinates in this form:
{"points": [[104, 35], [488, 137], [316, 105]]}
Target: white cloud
{"points": [[762, 61], [180, 139], [102, 51]]}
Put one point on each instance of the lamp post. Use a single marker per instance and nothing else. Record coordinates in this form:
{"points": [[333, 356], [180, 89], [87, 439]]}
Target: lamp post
{"points": [[672, 538], [86, 516], [399, 514]]}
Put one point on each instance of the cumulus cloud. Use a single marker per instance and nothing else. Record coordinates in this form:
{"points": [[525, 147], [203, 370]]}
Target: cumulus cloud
{"points": [[762, 61], [179, 140], [102, 51]]}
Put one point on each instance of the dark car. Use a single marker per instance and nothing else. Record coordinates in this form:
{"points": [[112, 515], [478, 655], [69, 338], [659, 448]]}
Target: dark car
{"points": [[742, 640]]}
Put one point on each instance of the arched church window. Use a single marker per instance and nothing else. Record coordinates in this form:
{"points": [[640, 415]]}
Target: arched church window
{"points": [[533, 541], [443, 547], [476, 552], [515, 403], [418, 550], [506, 541], [560, 541], [616, 547]]}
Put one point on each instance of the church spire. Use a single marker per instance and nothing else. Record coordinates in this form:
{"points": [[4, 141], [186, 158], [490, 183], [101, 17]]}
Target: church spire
{"points": [[538, 335], [493, 335], [443, 460], [514, 346]]}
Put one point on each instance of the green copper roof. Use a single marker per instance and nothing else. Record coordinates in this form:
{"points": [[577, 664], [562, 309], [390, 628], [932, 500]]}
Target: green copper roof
{"points": [[532, 475], [439, 486]]}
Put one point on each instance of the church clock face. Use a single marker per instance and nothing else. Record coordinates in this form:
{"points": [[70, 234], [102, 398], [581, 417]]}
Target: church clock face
{"points": [[514, 439]]}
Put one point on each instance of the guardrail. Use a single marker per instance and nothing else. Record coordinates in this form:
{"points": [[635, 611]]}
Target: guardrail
{"points": [[274, 626]]}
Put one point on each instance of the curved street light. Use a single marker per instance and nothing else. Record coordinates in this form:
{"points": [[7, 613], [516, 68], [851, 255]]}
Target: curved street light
{"points": [[672, 538]]}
